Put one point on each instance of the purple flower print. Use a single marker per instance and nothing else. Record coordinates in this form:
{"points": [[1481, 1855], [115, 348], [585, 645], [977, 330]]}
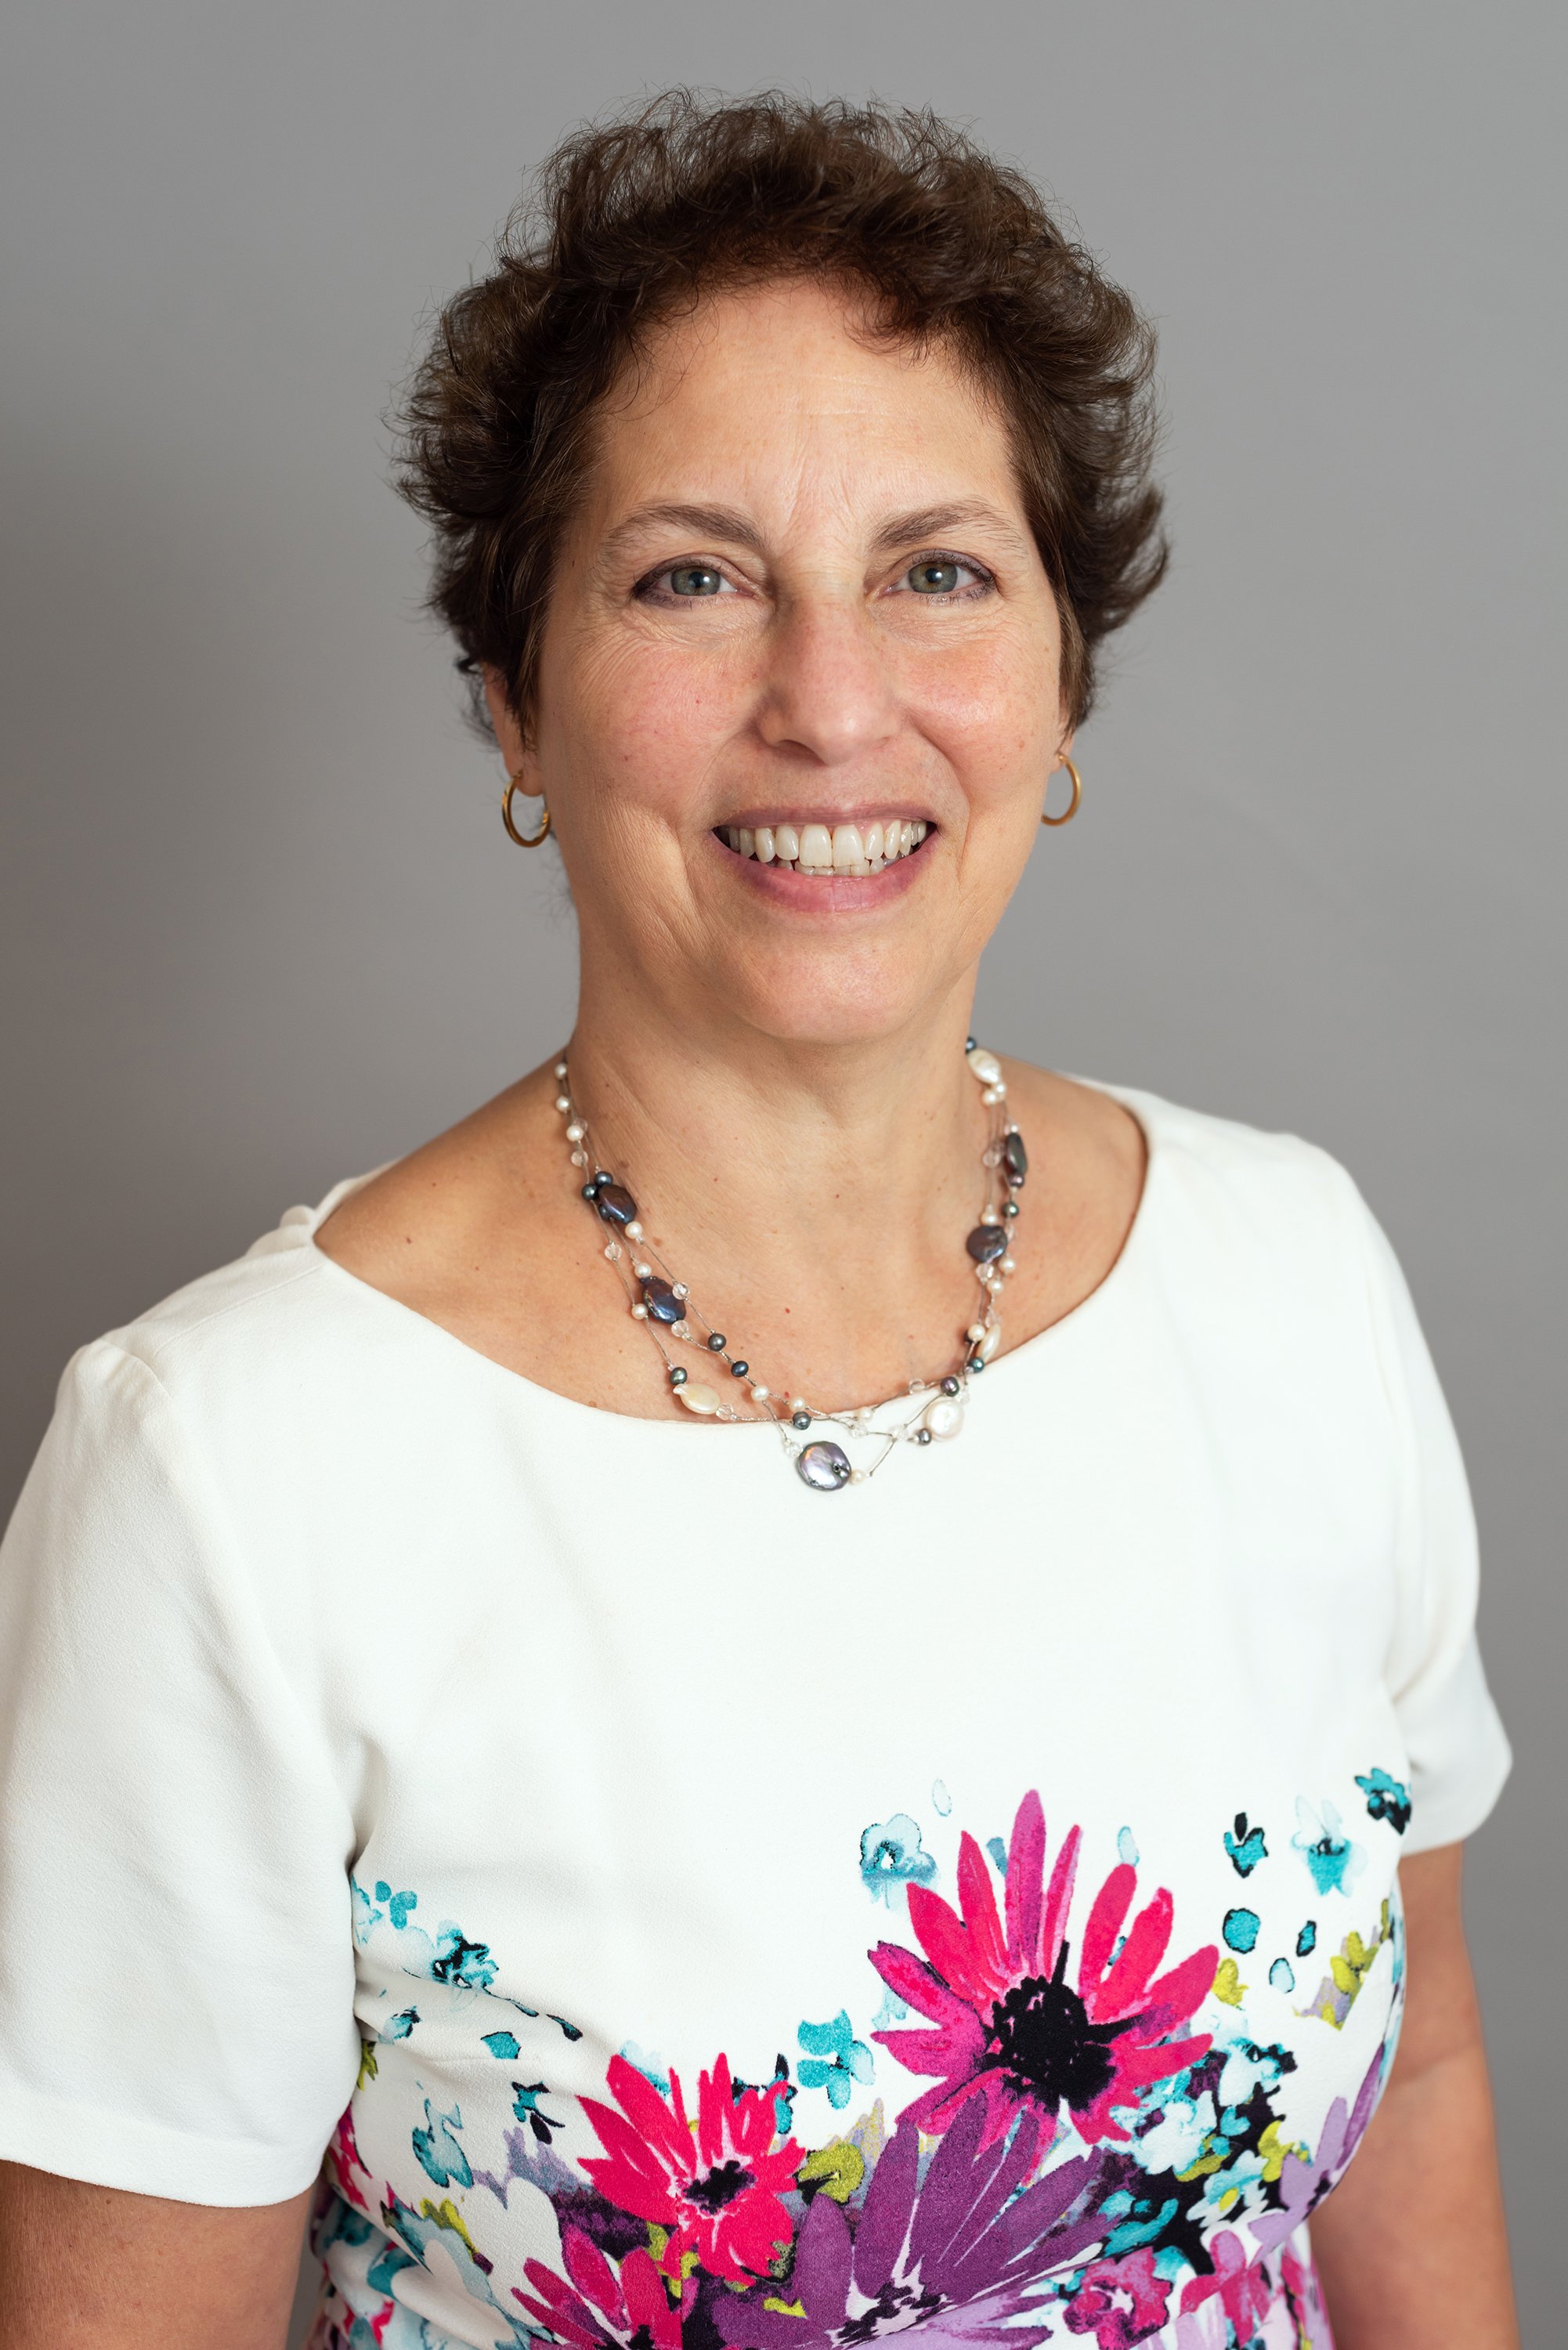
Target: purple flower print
{"points": [[956, 2257]]}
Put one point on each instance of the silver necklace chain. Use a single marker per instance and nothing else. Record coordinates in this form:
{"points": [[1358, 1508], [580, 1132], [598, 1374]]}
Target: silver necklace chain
{"points": [[931, 1411]]}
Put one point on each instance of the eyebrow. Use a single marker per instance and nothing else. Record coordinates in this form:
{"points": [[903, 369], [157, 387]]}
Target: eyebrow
{"points": [[728, 523]]}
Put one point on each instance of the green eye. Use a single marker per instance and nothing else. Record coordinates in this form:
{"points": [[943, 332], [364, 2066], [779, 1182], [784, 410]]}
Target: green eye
{"points": [[934, 579], [694, 579]]}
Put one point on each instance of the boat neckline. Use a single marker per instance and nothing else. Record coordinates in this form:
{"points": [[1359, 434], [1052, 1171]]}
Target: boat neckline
{"points": [[303, 1224]]}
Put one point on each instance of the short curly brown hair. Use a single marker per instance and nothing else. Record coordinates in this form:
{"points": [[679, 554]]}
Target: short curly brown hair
{"points": [[631, 220]]}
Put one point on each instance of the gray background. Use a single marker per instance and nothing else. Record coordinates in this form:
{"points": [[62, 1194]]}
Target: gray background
{"points": [[261, 927]]}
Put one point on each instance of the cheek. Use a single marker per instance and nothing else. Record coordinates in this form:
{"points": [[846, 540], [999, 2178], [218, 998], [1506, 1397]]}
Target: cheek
{"points": [[647, 727], [994, 719]]}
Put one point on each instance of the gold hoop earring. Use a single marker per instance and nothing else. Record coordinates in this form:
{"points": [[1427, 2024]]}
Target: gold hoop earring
{"points": [[524, 839], [1070, 810]]}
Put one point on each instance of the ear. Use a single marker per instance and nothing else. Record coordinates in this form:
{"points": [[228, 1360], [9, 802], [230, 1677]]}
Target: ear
{"points": [[509, 736]]}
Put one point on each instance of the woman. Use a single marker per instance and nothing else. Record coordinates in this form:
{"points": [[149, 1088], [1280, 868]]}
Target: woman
{"points": [[870, 1867]]}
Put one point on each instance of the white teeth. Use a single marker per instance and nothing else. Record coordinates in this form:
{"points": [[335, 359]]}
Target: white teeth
{"points": [[823, 850]]}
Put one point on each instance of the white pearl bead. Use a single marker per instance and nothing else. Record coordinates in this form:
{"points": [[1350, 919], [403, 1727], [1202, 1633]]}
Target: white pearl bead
{"points": [[857, 1476], [574, 1132], [560, 1068], [643, 1272], [991, 1096], [989, 1341], [563, 1101], [761, 1394], [797, 1403], [975, 1333], [640, 1312], [1008, 1265], [944, 1418], [697, 1398], [633, 1230], [990, 1215], [986, 1066]]}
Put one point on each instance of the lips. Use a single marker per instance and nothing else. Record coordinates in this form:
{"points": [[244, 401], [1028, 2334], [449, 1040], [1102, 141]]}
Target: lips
{"points": [[823, 850]]}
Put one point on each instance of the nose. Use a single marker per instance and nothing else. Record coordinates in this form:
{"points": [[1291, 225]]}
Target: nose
{"points": [[826, 691]]}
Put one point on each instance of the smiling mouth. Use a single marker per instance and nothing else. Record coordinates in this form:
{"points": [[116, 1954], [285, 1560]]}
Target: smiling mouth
{"points": [[826, 850]]}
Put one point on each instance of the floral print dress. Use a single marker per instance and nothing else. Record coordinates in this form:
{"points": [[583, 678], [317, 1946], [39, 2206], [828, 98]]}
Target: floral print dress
{"points": [[676, 1911]]}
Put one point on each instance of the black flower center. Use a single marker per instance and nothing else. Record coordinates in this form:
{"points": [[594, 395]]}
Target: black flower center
{"points": [[720, 2186], [1045, 2047]]}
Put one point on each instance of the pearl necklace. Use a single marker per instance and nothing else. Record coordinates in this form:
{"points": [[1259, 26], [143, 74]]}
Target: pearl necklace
{"points": [[665, 1308]]}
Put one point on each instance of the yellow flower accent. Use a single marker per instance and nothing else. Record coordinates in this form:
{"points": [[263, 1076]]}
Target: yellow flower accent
{"points": [[836, 2169], [446, 2215], [784, 2308], [1274, 2149], [367, 2065], [1227, 1984], [658, 2242]]}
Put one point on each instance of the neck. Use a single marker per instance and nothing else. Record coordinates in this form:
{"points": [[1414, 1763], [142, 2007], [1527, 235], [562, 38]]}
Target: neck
{"points": [[814, 1196]]}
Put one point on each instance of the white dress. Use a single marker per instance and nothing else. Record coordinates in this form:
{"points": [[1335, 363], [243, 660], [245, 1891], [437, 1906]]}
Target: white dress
{"points": [[683, 1908]]}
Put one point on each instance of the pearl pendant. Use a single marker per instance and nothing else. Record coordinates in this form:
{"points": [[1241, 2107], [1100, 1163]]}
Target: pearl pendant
{"points": [[697, 1398]]}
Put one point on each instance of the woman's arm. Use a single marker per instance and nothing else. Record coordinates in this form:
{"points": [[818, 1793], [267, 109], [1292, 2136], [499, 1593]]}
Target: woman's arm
{"points": [[1411, 2245], [88, 2268]]}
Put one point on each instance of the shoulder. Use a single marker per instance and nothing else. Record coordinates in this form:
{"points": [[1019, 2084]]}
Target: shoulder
{"points": [[1263, 1216], [272, 1323], [1249, 1172]]}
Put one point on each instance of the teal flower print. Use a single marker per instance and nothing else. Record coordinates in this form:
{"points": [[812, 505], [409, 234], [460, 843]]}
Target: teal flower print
{"points": [[1334, 1860], [1386, 1799], [834, 2059], [440, 2155], [1245, 1846], [891, 1855]]}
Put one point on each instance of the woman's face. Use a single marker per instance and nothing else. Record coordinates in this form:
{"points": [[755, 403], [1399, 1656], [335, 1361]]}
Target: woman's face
{"points": [[798, 693]]}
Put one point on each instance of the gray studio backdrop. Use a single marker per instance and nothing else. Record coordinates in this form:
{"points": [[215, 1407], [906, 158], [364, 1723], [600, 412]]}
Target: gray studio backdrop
{"points": [[261, 927]]}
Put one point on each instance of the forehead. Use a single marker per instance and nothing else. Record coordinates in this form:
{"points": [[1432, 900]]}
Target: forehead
{"points": [[782, 394]]}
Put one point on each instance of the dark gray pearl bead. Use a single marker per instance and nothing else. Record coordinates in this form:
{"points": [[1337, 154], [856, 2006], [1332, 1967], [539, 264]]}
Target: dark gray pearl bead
{"points": [[677, 1376], [1009, 1207], [985, 1243], [615, 1204], [738, 1370], [801, 1420], [716, 1342], [823, 1466], [949, 1385], [1015, 1159], [922, 1435], [975, 1363], [590, 1192], [660, 1300], [969, 1044]]}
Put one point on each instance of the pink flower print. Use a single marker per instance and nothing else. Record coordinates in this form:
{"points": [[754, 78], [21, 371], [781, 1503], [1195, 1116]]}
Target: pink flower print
{"points": [[599, 2310], [716, 2188], [343, 2159], [1009, 2024], [1242, 2286], [1120, 2302]]}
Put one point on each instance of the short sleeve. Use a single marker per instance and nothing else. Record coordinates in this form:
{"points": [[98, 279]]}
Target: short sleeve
{"points": [[1458, 1751], [176, 1957]]}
